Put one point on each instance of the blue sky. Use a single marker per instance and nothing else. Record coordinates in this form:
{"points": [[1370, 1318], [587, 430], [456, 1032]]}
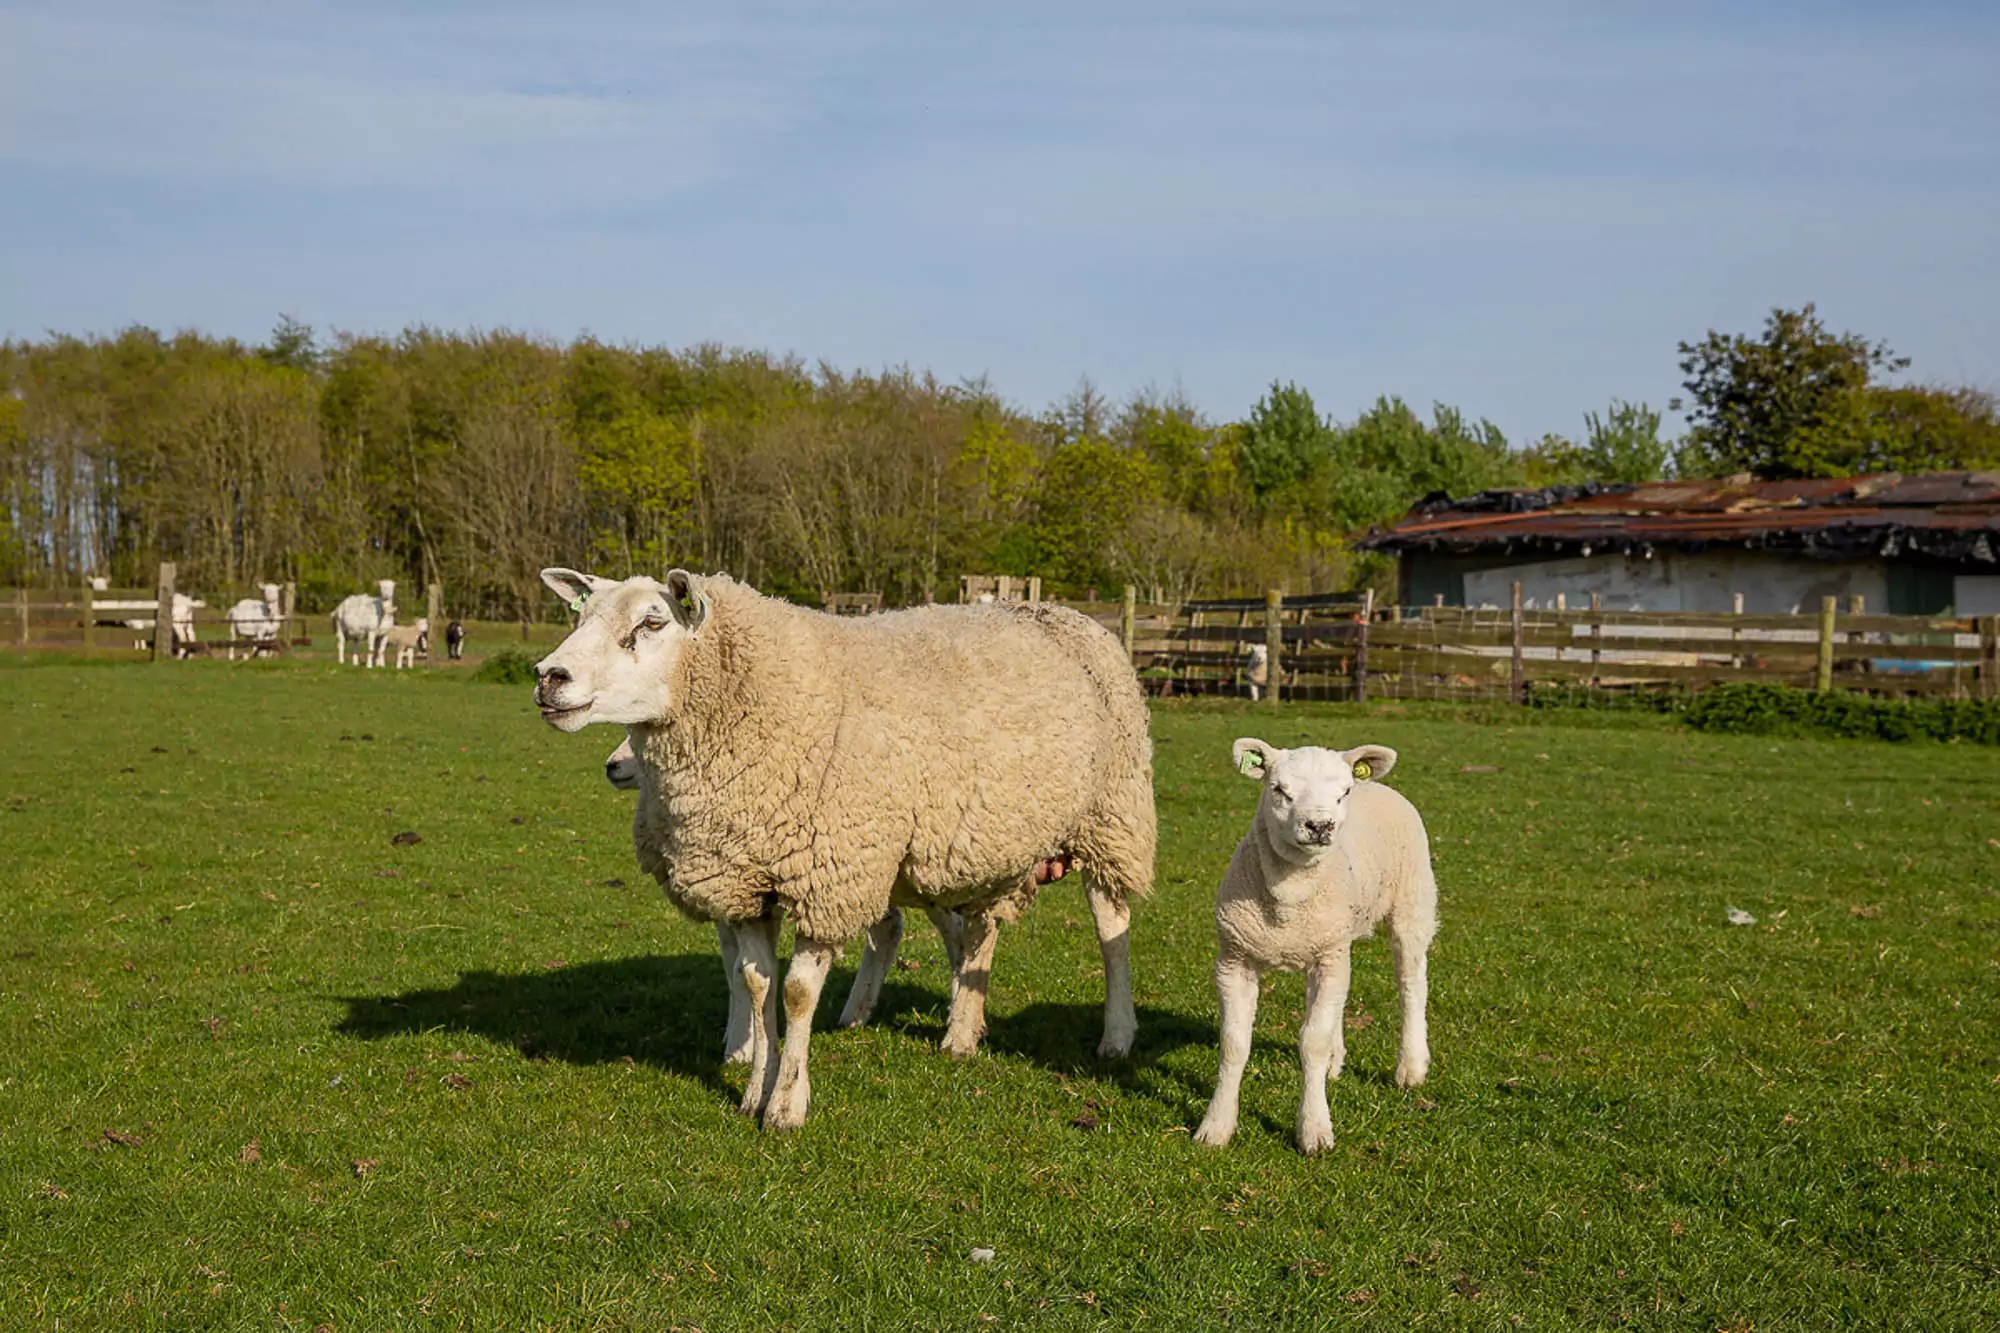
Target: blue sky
{"points": [[1516, 208]]}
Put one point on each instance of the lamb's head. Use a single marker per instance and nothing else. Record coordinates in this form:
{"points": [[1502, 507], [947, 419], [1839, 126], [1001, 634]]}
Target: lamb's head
{"points": [[386, 590], [621, 770], [1306, 791], [615, 665]]}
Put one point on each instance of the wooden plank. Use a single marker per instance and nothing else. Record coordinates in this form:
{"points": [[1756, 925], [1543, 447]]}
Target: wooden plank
{"points": [[1274, 643], [163, 615]]}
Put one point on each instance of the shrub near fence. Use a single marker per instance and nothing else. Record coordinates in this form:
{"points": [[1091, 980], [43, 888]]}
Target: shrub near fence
{"points": [[1340, 646]]}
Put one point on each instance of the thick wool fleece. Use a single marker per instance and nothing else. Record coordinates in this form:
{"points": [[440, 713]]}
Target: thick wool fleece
{"points": [[931, 757]]}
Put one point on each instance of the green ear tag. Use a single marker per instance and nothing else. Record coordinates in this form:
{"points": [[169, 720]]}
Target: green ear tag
{"points": [[576, 603], [1363, 770], [1250, 763]]}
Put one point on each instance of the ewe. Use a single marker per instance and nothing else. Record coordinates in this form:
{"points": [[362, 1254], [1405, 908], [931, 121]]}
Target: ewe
{"points": [[1329, 854], [406, 641], [622, 770], [832, 768], [365, 619], [256, 621]]}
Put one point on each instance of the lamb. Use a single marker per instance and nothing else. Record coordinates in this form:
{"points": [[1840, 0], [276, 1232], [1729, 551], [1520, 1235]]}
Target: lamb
{"points": [[832, 768], [622, 770], [1330, 853], [454, 640], [257, 621], [1259, 674], [406, 641], [366, 619], [180, 623]]}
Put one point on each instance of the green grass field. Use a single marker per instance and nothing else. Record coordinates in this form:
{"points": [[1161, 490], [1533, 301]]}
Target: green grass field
{"points": [[260, 1068]]}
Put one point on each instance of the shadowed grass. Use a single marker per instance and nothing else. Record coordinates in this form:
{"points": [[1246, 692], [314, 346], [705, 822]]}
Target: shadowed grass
{"points": [[264, 1068]]}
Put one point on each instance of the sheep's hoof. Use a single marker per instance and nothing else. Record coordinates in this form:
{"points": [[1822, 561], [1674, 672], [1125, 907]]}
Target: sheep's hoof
{"points": [[1114, 1046], [854, 1018], [1214, 1135], [958, 1049], [1312, 1138], [1409, 1073], [778, 1118], [738, 1056]]}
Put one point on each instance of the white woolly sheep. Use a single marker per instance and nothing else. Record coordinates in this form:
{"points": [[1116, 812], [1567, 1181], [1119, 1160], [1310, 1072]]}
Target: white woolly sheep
{"points": [[1259, 674], [1330, 853], [364, 619], [834, 767], [180, 623], [257, 621], [404, 642], [622, 770]]}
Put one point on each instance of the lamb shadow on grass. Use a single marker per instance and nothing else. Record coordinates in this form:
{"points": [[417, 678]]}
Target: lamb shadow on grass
{"points": [[669, 1012]]}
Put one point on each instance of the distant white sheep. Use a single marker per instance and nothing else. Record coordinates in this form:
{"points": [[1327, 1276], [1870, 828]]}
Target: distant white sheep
{"points": [[1259, 674], [404, 642], [180, 622], [258, 621], [1329, 855], [365, 619]]}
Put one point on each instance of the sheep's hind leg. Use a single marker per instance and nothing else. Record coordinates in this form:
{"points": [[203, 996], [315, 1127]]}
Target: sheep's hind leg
{"points": [[757, 957], [1114, 937], [736, 1036], [951, 929], [968, 997], [877, 957], [1411, 949], [1322, 1047], [811, 961], [1236, 987]]}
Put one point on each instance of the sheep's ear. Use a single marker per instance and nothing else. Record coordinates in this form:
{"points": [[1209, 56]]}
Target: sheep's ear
{"points": [[574, 587], [1253, 757], [1370, 761], [687, 599]]}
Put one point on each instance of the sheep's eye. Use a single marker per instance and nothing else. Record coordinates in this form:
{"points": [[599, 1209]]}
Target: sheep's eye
{"points": [[653, 623]]}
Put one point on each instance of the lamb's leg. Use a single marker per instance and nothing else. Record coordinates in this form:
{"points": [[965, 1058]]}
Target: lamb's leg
{"points": [[757, 957], [1411, 947], [1322, 1047], [736, 1036], [876, 959], [1236, 988], [811, 961], [968, 998], [951, 929], [1114, 937]]}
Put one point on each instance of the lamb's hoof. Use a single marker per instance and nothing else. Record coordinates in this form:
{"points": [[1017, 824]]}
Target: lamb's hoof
{"points": [[736, 1055], [1214, 1135], [754, 1102], [855, 1018], [1115, 1046], [1409, 1073], [959, 1048], [1313, 1138], [781, 1116]]}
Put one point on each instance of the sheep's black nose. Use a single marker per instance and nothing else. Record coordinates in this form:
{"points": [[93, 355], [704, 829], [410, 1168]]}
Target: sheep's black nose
{"points": [[552, 675], [1319, 830]]}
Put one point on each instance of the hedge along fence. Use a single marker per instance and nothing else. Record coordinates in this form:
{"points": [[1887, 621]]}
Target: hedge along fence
{"points": [[1342, 646]]}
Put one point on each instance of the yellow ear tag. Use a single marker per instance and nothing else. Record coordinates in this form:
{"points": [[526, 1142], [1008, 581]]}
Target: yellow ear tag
{"points": [[1250, 763], [1363, 770]]}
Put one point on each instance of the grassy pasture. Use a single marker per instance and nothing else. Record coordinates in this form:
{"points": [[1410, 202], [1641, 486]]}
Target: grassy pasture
{"points": [[260, 1068]]}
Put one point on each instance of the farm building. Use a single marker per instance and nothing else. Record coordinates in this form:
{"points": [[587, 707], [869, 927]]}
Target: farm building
{"points": [[1916, 545]]}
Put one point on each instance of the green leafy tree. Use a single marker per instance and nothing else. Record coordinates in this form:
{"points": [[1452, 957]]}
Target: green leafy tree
{"points": [[1790, 403], [1624, 444], [1283, 443]]}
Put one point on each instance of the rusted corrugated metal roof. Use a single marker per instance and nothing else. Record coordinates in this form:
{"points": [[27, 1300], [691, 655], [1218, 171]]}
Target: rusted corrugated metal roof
{"points": [[1946, 515]]}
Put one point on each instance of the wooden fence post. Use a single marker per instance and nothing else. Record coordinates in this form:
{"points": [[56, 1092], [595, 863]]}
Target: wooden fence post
{"points": [[89, 617], [1274, 640], [1596, 635], [1989, 657], [288, 615], [1361, 646], [1520, 677], [1128, 623], [434, 613], [21, 611], [163, 614], [1823, 679]]}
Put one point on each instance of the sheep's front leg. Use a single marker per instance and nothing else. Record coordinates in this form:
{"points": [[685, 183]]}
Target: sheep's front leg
{"points": [[1411, 948], [951, 929], [1114, 940], [876, 959], [757, 958], [811, 960], [736, 1036], [968, 997], [1236, 987], [1322, 1047]]}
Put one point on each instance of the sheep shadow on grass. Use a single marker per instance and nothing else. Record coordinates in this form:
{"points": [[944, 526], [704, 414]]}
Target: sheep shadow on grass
{"points": [[668, 1011]]}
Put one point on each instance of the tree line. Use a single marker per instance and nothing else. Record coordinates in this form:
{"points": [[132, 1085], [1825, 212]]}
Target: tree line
{"points": [[476, 459]]}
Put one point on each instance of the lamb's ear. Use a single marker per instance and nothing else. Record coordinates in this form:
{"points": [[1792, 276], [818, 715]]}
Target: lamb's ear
{"points": [[1253, 757], [1370, 761], [687, 598], [574, 587]]}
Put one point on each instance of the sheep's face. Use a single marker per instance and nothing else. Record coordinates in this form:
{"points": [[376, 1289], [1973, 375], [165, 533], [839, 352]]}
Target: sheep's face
{"points": [[621, 770], [615, 665], [1306, 790]]}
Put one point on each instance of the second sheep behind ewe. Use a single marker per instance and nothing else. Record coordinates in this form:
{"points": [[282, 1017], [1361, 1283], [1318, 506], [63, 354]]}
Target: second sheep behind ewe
{"points": [[1331, 853]]}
